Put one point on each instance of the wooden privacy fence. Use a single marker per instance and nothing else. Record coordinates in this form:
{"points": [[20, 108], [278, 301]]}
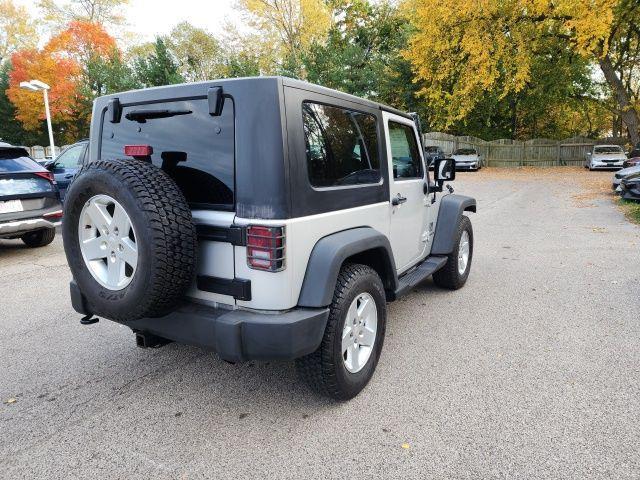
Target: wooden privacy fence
{"points": [[539, 152], [38, 152]]}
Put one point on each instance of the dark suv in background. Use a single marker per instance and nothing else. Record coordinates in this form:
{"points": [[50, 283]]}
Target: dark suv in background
{"points": [[30, 207], [65, 166]]}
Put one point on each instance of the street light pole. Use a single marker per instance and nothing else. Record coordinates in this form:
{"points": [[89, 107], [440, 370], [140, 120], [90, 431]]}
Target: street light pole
{"points": [[46, 109], [34, 86]]}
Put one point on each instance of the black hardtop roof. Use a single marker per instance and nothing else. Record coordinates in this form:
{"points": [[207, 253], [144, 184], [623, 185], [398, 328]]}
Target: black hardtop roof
{"points": [[174, 91]]}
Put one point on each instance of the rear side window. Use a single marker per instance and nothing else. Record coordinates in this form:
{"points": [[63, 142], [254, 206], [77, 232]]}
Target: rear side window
{"points": [[404, 152], [15, 160], [193, 147], [341, 146]]}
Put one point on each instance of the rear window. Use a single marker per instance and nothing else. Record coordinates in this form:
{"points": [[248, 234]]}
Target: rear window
{"points": [[193, 147], [24, 186], [15, 160]]}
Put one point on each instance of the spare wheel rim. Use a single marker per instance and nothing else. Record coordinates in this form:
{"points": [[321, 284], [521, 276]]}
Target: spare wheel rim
{"points": [[108, 242]]}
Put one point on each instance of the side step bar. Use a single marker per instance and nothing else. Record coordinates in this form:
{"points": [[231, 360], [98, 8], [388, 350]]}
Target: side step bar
{"points": [[419, 274]]}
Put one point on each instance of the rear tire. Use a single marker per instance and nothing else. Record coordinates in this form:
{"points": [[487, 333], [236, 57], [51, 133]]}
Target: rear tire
{"points": [[39, 238], [453, 276], [331, 370]]}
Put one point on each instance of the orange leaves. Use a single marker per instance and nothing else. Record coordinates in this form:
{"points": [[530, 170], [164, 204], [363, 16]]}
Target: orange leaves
{"points": [[60, 74], [60, 64], [81, 41]]}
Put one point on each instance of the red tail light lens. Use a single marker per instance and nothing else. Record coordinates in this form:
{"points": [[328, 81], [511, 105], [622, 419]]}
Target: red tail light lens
{"points": [[56, 214], [138, 150], [48, 175], [266, 248]]}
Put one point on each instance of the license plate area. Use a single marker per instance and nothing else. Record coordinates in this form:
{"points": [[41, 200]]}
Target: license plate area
{"points": [[11, 206]]}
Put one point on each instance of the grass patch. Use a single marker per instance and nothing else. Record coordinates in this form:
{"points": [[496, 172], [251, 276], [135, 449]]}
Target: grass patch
{"points": [[631, 209]]}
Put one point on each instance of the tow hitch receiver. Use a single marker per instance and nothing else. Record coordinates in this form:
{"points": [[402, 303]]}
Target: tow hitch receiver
{"points": [[149, 340]]}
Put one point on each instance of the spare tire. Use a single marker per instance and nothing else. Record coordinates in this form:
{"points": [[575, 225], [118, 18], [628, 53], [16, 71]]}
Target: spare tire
{"points": [[129, 239]]}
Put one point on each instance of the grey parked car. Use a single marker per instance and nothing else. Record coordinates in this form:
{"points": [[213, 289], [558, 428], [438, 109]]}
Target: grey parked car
{"points": [[30, 206], [624, 173]]}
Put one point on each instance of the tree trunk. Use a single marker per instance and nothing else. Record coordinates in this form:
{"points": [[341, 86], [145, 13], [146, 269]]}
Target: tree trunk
{"points": [[628, 114]]}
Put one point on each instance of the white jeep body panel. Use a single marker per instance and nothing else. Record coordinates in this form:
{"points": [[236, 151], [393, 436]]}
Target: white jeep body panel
{"points": [[410, 228]]}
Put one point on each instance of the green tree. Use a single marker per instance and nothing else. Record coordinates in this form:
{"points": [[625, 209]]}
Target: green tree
{"points": [[362, 54], [198, 53], [159, 68]]}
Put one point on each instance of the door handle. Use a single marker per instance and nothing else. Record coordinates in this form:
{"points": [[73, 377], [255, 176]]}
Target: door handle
{"points": [[69, 176], [398, 200]]}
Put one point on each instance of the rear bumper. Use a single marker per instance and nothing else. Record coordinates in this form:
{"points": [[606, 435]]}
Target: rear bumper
{"points": [[19, 227], [236, 335]]}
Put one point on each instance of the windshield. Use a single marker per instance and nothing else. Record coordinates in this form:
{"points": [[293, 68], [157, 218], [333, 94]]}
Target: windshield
{"points": [[608, 149], [431, 149], [465, 151]]}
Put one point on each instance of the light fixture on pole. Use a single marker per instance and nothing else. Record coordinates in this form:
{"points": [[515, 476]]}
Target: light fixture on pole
{"points": [[34, 86]]}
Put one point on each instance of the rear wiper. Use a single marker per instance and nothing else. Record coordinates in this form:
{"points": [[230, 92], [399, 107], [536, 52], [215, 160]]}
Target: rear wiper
{"points": [[142, 116]]}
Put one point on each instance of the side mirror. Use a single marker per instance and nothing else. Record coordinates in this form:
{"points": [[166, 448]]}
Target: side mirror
{"points": [[49, 165], [444, 170]]}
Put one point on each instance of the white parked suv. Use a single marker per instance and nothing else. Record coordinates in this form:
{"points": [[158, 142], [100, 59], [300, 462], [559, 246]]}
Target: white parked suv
{"points": [[262, 218], [605, 156]]}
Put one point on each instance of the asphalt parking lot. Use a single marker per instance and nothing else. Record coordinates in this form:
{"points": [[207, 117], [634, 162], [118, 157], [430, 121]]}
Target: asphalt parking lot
{"points": [[530, 371]]}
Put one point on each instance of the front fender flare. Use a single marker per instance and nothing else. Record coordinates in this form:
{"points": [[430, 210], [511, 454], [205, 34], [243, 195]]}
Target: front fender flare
{"points": [[451, 209]]}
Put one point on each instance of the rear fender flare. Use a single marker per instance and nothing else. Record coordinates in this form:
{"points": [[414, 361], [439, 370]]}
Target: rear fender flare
{"points": [[330, 253]]}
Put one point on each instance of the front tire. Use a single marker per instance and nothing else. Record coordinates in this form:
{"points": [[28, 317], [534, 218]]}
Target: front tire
{"points": [[348, 355], [455, 272], [39, 238]]}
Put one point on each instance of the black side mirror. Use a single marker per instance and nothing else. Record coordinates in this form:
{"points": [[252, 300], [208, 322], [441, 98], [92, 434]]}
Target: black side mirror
{"points": [[444, 170], [49, 165]]}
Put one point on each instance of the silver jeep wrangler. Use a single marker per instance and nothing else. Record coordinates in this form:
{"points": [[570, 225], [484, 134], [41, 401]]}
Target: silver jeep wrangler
{"points": [[263, 218]]}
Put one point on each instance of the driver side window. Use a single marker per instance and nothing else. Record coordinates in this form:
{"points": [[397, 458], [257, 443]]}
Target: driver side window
{"points": [[70, 158], [341, 146], [404, 152]]}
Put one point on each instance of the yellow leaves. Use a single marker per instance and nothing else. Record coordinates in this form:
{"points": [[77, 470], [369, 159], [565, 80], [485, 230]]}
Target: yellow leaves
{"points": [[17, 31], [296, 23], [464, 48]]}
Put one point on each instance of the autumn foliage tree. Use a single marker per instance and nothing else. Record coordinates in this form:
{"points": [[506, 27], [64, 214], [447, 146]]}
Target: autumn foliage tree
{"points": [[62, 64], [463, 49]]}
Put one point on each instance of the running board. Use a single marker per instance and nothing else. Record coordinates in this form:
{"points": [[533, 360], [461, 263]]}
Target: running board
{"points": [[419, 274]]}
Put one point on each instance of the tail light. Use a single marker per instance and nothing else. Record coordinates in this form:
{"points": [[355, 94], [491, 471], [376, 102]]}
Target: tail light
{"points": [[48, 175], [138, 150], [266, 248], [56, 214]]}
